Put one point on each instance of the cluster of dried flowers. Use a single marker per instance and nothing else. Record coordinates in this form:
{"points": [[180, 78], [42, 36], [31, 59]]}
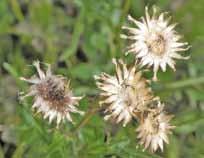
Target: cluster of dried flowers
{"points": [[127, 94]]}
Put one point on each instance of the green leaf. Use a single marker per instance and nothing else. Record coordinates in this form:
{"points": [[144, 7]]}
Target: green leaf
{"points": [[78, 29], [84, 71], [11, 69], [19, 151], [16, 9], [1, 152], [188, 121]]}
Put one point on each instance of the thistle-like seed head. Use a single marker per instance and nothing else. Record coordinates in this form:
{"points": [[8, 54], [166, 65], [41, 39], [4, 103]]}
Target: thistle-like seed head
{"points": [[155, 41], [154, 129], [52, 95], [124, 93]]}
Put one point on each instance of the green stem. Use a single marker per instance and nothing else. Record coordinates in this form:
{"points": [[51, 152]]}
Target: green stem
{"points": [[86, 119], [125, 9], [82, 123], [174, 85], [15, 6], [184, 83], [78, 30]]}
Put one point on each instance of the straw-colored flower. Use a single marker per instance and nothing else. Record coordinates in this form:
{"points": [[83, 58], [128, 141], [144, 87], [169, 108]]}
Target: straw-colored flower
{"points": [[155, 41], [52, 95], [154, 129], [125, 93]]}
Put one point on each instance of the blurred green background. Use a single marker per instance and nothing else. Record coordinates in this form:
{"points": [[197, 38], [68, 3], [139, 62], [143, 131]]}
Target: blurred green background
{"points": [[79, 38]]}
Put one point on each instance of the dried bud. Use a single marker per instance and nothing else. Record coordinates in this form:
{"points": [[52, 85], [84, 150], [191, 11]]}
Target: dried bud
{"points": [[52, 95], [125, 93], [154, 129], [156, 43]]}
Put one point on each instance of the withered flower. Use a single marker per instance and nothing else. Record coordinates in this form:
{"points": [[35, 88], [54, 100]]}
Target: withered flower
{"points": [[124, 93], [155, 41], [52, 95], [154, 129]]}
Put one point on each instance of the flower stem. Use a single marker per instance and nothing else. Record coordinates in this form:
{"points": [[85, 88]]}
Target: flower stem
{"points": [[125, 8], [173, 85], [185, 83], [86, 119]]}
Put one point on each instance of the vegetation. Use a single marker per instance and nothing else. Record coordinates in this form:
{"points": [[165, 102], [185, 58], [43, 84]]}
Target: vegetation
{"points": [[79, 38]]}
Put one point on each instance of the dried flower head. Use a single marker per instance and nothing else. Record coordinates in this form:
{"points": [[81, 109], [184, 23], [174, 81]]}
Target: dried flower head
{"points": [[125, 93], [52, 95], [156, 42], [154, 129]]}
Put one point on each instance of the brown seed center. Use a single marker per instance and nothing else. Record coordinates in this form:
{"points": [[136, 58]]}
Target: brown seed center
{"points": [[156, 44], [54, 92]]}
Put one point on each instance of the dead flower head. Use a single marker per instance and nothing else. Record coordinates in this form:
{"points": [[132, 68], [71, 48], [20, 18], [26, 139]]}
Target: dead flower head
{"points": [[124, 93], [155, 41], [52, 95], [154, 129]]}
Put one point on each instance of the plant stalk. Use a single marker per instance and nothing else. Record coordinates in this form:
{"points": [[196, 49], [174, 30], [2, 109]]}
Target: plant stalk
{"points": [[185, 83], [86, 119]]}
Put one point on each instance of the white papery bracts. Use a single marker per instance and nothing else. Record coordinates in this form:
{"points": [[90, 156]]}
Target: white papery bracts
{"points": [[154, 128], [52, 95], [124, 93], [155, 41]]}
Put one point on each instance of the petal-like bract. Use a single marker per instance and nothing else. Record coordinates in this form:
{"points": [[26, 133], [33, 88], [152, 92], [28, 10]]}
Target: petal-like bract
{"points": [[125, 93], [154, 129], [155, 41], [52, 95]]}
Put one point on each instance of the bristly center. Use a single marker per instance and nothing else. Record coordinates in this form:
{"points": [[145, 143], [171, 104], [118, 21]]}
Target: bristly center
{"points": [[156, 44], [153, 125], [53, 91], [127, 93]]}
